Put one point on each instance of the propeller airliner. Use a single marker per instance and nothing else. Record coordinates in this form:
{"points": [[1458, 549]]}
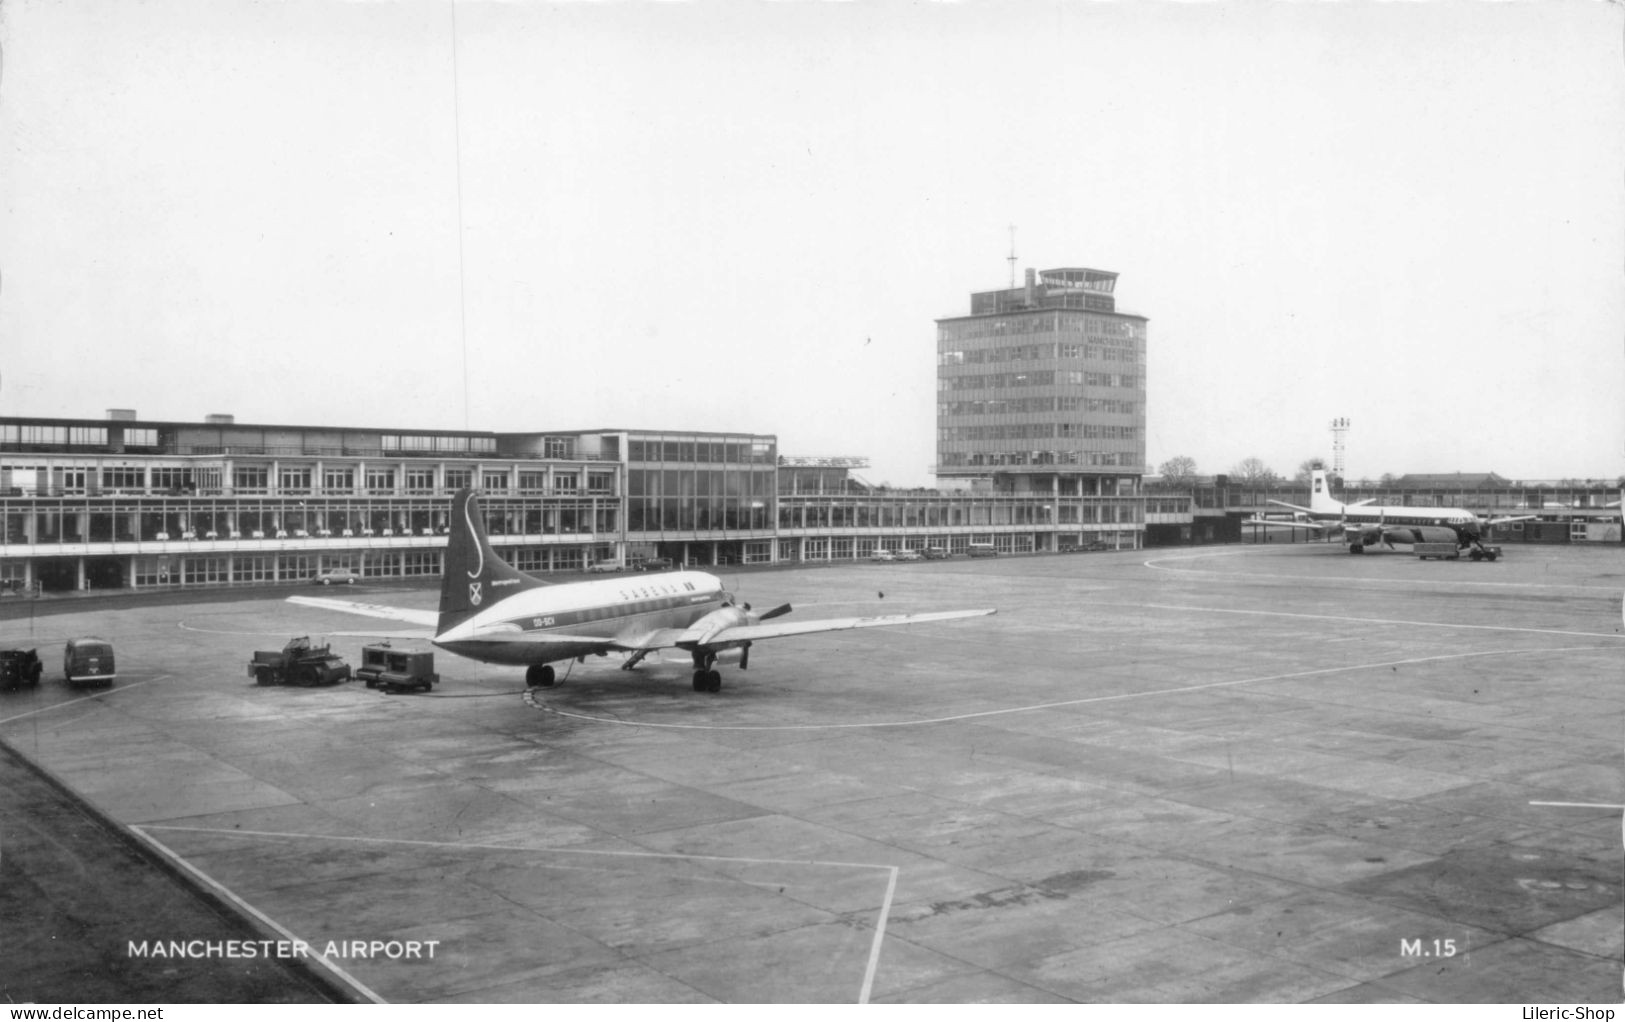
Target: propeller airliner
{"points": [[1365, 525], [496, 614]]}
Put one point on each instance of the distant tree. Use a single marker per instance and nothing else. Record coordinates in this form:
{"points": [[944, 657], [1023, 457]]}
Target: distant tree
{"points": [[1388, 480], [1312, 465], [1253, 472], [1179, 470]]}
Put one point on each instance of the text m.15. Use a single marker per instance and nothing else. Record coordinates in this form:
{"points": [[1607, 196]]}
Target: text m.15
{"points": [[1427, 949]]}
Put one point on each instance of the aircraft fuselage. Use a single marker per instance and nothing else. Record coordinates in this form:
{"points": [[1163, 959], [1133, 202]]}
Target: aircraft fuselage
{"points": [[624, 608]]}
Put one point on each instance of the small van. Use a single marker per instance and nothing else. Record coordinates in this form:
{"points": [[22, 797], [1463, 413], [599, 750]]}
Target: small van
{"points": [[980, 550], [88, 661]]}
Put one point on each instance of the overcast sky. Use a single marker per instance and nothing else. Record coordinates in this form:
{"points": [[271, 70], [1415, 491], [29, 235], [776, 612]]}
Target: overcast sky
{"points": [[747, 216]]}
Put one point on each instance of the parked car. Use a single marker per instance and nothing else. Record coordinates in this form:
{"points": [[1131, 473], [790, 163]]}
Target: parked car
{"points": [[88, 661], [882, 557], [335, 576], [605, 566], [937, 553], [981, 550], [907, 555], [19, 667], [655, 564]]}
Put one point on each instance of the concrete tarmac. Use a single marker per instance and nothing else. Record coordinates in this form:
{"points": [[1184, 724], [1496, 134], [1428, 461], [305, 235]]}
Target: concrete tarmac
{"points": [[1276, 774]]}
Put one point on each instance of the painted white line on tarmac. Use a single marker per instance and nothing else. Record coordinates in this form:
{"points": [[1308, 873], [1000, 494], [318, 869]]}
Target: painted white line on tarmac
{"points": [[530, 697], [1344, 619], [70, 702], [880, 935], [226, 892], [874, 949], [1162, 564]]}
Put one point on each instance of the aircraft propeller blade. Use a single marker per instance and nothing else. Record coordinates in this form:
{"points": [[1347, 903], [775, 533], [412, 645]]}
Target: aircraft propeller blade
{"points": [[779, 611]]}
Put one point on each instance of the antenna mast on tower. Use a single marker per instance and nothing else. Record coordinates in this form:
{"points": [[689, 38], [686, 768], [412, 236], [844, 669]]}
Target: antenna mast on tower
{"points": [[1012, 255], [1339, 428]]}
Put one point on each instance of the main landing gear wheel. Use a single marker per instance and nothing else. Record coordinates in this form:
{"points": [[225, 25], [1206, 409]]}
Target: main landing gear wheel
{"points": [[540, 676], [707, 681]]}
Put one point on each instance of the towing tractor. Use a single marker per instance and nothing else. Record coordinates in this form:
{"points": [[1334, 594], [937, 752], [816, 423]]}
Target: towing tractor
{"points": [[397, 669], [19, 667], [298, 663]]}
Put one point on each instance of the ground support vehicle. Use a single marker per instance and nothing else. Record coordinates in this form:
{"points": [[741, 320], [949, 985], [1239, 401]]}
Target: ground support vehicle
{"points": [[397, 669], [1441, 551], [19, 667], [88, 661], [298, 663]]}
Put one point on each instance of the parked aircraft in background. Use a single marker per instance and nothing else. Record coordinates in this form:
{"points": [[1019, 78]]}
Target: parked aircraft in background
{"points": [[1365, 525], [496, 614]]}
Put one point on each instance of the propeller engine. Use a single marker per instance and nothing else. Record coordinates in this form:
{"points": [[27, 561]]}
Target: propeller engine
{"points": [[730, 616], [767, 615]]}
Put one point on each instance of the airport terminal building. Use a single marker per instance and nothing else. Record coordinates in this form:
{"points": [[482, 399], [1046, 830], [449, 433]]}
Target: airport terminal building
{"points": [[120, 503], [123, 502]]}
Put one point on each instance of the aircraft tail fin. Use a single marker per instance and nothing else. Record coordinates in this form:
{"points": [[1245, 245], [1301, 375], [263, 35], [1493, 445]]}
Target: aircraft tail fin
{"points": [[1320, 495], [474, 576]]}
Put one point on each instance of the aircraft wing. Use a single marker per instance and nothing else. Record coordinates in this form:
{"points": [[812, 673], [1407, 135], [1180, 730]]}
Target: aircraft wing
{"points": [[1510, 518], [425, 618], [776, 629]]}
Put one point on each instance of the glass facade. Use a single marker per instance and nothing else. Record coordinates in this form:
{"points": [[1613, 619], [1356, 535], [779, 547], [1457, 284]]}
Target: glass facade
{"points": [[689, 484]]}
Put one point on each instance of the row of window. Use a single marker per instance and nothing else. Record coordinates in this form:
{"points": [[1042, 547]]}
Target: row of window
{"points": [[74, 436], [193, 569], [1094, 459], [705, 452], [59, 525], [1026, 405], [676, 514], [296, 479], [452, 444], [1039, 378], [739, 484], [1043, 322], [1039, 431], [1038, 353], [932, 516]]}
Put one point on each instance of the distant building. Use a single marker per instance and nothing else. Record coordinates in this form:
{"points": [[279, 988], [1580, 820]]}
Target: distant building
{"points": [[1042, 388], [1450, 481]]}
